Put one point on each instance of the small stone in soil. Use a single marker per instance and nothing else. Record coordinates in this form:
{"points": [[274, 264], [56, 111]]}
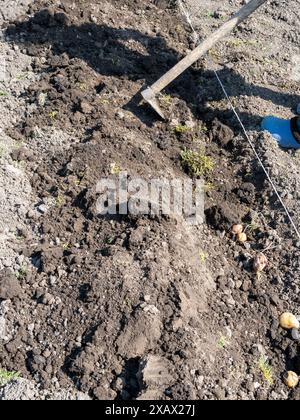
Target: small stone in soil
{"points": [[86, 108], [42, 208], [47, 299], [295, 334], [53, 280]]}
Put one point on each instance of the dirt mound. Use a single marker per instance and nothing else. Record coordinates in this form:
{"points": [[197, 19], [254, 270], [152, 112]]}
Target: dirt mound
{"points": [[126, 307]]}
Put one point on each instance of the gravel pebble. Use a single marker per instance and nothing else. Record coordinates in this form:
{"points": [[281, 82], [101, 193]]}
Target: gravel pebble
{"points": [[295, 334]]}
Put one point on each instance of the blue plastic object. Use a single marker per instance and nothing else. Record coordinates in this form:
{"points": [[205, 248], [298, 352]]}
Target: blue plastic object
{"points": [[282, 132]]}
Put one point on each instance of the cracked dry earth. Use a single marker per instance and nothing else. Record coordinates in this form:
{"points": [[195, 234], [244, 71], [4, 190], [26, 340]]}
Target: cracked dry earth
{"points": [[137, 307]]}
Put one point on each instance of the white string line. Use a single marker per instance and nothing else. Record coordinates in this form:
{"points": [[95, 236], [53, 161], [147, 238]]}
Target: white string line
{"points": [[188, 18]]}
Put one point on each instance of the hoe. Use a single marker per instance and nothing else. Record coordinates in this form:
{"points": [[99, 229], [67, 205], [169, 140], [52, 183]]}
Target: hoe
{"points": [[150, 94]]}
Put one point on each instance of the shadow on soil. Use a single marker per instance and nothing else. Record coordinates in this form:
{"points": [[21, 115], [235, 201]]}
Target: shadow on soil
{"points": [[132, 55]]}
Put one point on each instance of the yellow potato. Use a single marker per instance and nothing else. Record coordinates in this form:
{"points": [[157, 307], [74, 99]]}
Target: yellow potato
{"points": [[242, 237], [288, 321], [237, 229], [291, 379]]}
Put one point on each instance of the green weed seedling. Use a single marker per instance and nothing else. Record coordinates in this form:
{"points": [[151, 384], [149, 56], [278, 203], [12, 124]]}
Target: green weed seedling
{"points": [[53, 115], [223, 342], [203, 257], [6, 376], [59, 201], [22, 76], [115, 169], [266, 370], [197, 163], [182, 129], [209, 187], [166, 100], [67, 246], [22, 273]]}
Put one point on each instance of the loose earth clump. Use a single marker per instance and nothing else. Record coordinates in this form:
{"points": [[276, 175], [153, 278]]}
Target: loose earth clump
{"points": [[124, 306]]}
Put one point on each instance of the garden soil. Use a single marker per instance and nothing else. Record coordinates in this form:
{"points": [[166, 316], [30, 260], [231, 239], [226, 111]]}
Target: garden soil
{"points": [[139, 307]]}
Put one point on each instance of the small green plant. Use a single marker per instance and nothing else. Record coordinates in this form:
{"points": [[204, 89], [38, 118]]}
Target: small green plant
{"points": [[211, 15], [22, 76], [223, 342], [208, 187], [53, 115], [266, 370], [215, 54], [110, 240], [104, 101], [128, 302], [166, 100], [6, 376], [22, 273], [235, 43], [249, 174], [19, 236], [252, 227], [203, 257], [178, 28], [182, 129], [59, 201], [80, 178], [203, 129], [67, 246], [197, 163], [115, 169], [82, 86], [3, 94]]}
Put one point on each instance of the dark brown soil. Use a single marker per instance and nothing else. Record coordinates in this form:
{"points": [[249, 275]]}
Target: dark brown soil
{"points": [[108, 293]]}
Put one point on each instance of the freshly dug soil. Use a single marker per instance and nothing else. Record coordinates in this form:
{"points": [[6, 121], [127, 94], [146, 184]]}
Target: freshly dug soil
{"points": [[131, 307]]}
